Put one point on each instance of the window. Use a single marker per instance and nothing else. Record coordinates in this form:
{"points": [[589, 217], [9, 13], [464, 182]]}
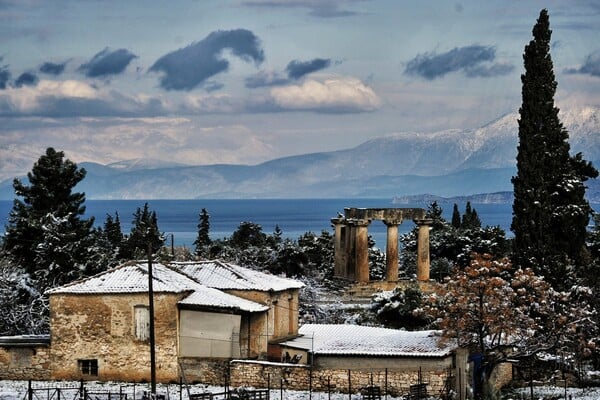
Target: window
{"points": [[88, 367], [141, 317]]}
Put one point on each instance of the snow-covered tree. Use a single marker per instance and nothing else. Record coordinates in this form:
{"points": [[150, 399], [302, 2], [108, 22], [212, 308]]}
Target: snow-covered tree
{"points": [[400, 308], [494, 310], [145, 234], [46, 234], [23, 308], [550, 212]]}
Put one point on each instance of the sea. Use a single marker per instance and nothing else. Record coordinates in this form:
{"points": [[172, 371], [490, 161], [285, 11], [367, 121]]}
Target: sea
{"points": [[178, 219]]}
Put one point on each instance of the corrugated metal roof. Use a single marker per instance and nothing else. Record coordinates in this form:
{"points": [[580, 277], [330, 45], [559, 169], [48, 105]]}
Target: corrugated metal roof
{"points": [[133, 278], [220, 275], [370, 341]]}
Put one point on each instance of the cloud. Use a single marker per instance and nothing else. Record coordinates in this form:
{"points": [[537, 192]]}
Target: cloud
{"points": [[591, 66], [487, 71], [266, 78], [297, 69], [335, 95], [189, 67], [317, 8], [74, 99], [26, 79], [52, 68], [294, 70], [470, 59], [4, 75], [106, 62]]}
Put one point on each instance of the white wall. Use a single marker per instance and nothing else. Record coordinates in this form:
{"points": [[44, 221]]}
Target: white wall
{"points": [[206, 334]]}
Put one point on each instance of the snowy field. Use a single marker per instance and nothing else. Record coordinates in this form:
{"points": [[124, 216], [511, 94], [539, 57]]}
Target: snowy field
{"points": [[17, 390]]}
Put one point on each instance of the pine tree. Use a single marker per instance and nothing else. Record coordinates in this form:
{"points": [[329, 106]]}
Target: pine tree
{"points": [[550, 213], [46, 234], [144, 230], [112, 229], [203, 240]]}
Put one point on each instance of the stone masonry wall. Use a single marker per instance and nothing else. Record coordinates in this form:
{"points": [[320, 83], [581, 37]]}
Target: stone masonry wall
{"points": [[298, 377], [102, 328], [24, 363]]}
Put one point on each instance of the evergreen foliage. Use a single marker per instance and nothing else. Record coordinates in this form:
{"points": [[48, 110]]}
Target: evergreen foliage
{"points": [[114, 235], [550, 213], [203, 241], [455, 217], [46, 234], [145, 234], [399, 308], [449, 246]]}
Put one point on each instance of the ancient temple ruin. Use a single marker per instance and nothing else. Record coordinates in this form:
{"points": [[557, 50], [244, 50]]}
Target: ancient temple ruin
{"points": [[351, 241]]}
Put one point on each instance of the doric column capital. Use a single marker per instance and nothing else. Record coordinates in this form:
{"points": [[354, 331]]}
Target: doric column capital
{"points": [[338, 221], [392, 222]]}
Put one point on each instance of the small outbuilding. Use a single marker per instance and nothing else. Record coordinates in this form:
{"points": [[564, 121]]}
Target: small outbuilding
{"points": [[404, 359]]}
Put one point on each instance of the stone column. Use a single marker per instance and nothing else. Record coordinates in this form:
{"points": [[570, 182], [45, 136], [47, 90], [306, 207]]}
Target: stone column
{"points": [[423, 262], [391, 250], [361, 249], [339, 267]]}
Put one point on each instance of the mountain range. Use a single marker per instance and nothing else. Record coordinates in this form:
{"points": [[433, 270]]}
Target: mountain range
{"points": [[447, 163]]}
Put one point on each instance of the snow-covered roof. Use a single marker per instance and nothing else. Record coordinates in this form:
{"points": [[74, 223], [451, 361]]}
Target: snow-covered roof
{"points": [[370, 341], [133, 278], [221, 275]]}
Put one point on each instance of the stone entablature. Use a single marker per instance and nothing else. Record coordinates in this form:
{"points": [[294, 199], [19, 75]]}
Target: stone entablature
{"points": [[351, 242]]}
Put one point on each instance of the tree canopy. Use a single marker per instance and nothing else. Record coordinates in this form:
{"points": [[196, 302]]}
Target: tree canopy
{"points": [[550, 212], [46, 234]]}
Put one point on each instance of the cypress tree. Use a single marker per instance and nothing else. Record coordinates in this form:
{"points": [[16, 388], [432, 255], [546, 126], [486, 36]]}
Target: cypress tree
{"points": [[203, 239], [455, 217], [550, 213]]}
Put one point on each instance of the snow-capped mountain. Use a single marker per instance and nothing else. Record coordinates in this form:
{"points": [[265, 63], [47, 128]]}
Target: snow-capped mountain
{"points": [[447, 163]]}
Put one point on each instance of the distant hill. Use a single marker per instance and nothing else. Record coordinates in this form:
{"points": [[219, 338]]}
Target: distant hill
{"points": [[448, 163]]}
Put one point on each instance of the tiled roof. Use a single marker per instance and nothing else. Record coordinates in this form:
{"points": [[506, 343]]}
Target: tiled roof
{"points": [[370, 341], [220, 275], [133, 278]]}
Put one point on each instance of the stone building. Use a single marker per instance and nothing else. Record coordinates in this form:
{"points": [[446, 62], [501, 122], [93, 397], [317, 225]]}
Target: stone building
{"points": [[206, 313], [379, 356]]}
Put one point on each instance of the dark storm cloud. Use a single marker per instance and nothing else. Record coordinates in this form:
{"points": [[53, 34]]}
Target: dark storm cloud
{"points": [[266, 79], [107, 63], [4, 74], [591, 66], [317, 8], [191, 66], [297, 69], [468, 59], [26, 79], [52, 68]]}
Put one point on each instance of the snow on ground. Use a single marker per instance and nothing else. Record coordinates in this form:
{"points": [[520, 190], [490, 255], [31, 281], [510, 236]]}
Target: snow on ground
{"points": [[554, 392], [17, 390]]}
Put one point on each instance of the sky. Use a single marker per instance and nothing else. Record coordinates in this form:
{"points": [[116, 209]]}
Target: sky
{"points": [[246, 81]]}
